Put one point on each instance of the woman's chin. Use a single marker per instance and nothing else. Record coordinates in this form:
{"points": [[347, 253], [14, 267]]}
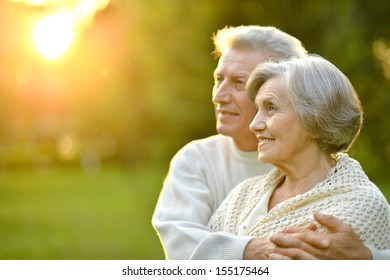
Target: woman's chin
{"points": [[263, 159]]}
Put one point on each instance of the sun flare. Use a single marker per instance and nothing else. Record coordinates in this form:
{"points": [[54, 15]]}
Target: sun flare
{"points": [[53, 35]]}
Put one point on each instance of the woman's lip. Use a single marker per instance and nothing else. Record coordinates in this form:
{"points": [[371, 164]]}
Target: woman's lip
{"points": [[265, 139]]}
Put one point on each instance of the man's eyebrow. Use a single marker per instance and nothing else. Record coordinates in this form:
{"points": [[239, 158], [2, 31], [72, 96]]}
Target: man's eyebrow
{"points": [[239, 76], [235, 75], [217, 73], [243, 76]]}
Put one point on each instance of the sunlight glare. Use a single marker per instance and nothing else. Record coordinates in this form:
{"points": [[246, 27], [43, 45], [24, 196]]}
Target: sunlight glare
{"points": [[30, 2], [53, 35]]}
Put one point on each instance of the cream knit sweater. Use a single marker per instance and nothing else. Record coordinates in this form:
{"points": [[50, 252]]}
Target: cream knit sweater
{"points": [[346, 193]]}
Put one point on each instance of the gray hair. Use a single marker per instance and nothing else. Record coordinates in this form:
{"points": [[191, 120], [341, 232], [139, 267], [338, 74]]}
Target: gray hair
{"points": [[323, 99], [278, 44]]}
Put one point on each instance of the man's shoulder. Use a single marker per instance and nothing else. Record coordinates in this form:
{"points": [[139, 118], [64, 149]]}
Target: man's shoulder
{"points": [[204, 149], [209, 143]]}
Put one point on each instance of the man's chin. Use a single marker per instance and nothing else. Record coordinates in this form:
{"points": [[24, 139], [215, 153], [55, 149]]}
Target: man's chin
{"points": [[224, 131]]}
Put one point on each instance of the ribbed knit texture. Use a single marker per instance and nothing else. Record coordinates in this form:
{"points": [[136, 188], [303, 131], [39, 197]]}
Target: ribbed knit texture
{"points": [[346, 193]]}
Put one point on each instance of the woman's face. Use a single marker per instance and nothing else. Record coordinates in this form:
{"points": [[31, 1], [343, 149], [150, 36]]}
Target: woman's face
{"points": [[281, 138]]}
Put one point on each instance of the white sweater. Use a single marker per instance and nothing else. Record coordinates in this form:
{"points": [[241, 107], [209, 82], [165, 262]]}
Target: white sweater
{"points": [[200, 176]]}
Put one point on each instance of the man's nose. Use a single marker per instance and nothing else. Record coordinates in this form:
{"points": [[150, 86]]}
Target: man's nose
{"points": [[222, 93]]}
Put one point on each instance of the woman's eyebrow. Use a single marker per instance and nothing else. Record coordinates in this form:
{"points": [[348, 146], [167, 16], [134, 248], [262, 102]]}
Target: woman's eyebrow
{"points": [[265, 100]]}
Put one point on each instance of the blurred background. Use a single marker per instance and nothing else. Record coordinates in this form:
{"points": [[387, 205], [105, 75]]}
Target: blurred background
{"points": [[96, 96]]}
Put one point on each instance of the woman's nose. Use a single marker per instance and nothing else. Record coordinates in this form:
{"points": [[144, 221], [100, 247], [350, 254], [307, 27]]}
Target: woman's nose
{"points": [[258, 123]]}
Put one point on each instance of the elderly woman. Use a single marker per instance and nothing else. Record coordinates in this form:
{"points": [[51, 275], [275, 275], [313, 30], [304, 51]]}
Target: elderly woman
{"points": [[308, 115]]}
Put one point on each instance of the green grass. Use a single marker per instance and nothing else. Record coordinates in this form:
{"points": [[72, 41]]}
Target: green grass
{"points": [[67, 214]]}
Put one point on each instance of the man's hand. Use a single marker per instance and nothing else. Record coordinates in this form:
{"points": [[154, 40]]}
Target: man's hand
{"points": [[262, 248], [259, 249], [304, 243]]}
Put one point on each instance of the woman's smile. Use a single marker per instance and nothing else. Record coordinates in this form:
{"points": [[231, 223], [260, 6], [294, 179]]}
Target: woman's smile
{"points": [[264, 141]]}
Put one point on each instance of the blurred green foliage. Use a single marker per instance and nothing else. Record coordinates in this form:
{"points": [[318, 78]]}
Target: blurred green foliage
{"points": [[135, 88], [153, 93]]}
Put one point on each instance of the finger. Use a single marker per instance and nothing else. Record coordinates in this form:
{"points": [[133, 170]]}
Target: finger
{"points": [[278, 257], [291, 254], [293, 229], [332, 223], [286, 240], [300, 240], [311, 226]]}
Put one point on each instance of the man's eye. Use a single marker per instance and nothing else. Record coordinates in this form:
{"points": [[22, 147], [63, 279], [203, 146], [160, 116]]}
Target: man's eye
{"points": [[240, 84], [218, 80]]}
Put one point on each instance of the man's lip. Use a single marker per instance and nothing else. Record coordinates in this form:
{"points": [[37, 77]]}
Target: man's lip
{"points": [[226, 112]]}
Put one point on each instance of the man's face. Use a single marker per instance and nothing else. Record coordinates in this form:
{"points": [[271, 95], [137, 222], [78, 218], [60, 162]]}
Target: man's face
{"points": [[233, 109]]}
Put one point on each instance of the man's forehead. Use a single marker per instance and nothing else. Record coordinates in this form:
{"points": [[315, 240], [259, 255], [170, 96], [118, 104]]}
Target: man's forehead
{"points": [[239, 62], [257, 56], [235, 66], [237, 73]]}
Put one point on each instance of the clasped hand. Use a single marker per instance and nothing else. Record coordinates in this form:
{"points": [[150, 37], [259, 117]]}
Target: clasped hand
{"points": [[305, 243]]}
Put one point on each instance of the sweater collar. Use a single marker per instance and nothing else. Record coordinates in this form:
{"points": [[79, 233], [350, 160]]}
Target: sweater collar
{"points": [[249, 157]]}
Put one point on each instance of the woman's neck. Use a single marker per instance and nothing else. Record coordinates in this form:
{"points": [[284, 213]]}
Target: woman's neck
{"points": [[301, 176]]}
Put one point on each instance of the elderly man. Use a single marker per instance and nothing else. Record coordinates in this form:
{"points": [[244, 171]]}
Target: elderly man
{"points": [[204, 171]]}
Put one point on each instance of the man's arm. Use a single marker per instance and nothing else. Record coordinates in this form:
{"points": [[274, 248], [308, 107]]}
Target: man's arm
{"points": [[184, 208], [342, 243]]}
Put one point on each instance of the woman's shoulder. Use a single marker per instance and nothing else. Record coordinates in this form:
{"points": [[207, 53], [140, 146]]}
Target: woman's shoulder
{"points": [[349, 174]]}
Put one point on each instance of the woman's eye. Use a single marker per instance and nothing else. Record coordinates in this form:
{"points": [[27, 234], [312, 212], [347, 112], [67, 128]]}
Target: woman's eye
{"points": [[271, 108]]}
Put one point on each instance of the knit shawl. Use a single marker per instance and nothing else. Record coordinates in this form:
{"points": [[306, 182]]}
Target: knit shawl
{"points": [[346, 193]]}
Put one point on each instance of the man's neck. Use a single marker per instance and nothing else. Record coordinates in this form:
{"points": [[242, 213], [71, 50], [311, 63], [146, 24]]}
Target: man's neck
{"points": [[249, 145]]}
